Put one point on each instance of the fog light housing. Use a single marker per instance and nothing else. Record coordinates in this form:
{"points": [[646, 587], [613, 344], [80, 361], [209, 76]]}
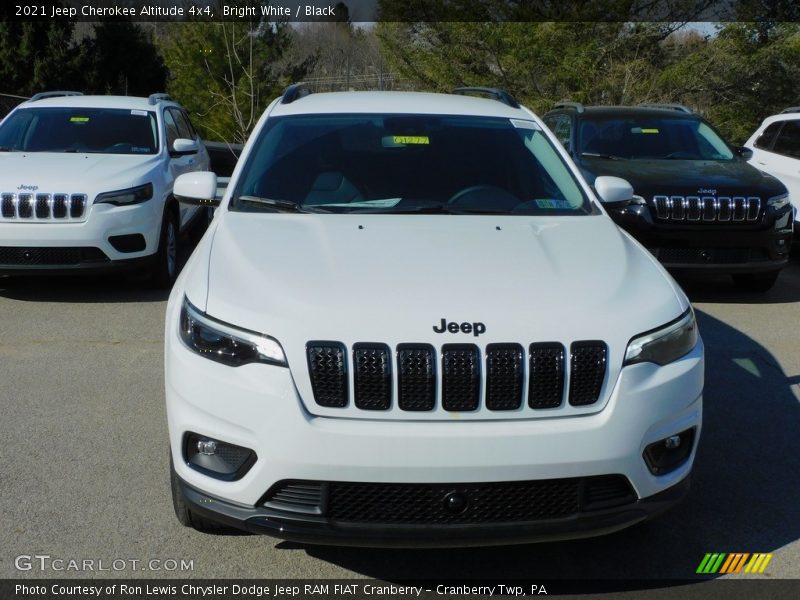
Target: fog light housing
{"points": [[216, 458], [670, 453]]}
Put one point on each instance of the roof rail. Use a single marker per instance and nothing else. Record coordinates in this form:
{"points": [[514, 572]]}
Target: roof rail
{"points": [[567, 104], [294, 92], [156, 98], [498, 94], [43, 95], [791, 109], [667, 106]]}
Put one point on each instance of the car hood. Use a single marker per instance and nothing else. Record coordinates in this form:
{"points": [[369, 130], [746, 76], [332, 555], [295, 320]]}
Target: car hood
{"points": [[392, 279], [653, 177], [51, 172]]}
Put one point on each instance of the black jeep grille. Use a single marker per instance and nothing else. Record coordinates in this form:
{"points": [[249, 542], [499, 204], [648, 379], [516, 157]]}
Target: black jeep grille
{"points": [[49, 256], [504, 376], [416, 377], [372, 376], [547, 375], [328, 369], [461, 373], [426, 504], [587, 371]]}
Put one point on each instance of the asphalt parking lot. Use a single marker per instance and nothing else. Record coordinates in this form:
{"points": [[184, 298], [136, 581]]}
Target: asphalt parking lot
{"points": [[83, 443]]}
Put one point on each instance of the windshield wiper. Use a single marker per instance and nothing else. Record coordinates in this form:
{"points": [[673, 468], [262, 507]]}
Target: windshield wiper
{"points": [[277, 204], [431, 209], [606, 156]]}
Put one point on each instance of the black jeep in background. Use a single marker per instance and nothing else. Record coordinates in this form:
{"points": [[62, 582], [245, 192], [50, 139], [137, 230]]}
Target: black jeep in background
{"points": [[698, 204]]}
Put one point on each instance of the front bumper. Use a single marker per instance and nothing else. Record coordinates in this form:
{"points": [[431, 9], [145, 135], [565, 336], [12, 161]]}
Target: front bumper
{"points": [[42, 240], [258, 407], [319, 530], [711, 246]]}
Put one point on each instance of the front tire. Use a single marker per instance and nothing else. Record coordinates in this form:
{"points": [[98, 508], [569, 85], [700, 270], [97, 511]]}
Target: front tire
{"points": [[755, 282], [165, 269]]}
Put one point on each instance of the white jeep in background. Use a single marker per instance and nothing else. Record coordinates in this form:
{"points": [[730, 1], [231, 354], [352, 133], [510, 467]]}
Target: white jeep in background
{"points": [[86, 184]]}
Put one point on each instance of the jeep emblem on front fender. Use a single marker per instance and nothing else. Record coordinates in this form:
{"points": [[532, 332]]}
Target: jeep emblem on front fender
{"points": [[475, 328]]}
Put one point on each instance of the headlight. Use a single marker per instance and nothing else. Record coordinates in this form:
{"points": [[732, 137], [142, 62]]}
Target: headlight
{"points": [[665, 344], [778, 202], [125, 197], [224, 343]]}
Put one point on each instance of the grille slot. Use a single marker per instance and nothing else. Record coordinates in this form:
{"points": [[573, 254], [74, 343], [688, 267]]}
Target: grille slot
{"points": [[372, 376], [25, 206], [296, 496], [18, 256], [461, 373], [42, 206], [416, 377], [59, 206], [546, 387], [504, 376], [327, 365], [587, 372], [707, 208], [77, 205], [9, 211]]}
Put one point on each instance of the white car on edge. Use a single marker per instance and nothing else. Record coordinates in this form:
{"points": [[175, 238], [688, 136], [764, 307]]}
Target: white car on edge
{"points": [[776, 150], [411, 323], [86, 184]]}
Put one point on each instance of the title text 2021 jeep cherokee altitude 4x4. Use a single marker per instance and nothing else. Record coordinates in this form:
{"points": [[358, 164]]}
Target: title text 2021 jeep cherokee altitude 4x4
{"points": [[698, 204], [86, 184], [411, 323]]}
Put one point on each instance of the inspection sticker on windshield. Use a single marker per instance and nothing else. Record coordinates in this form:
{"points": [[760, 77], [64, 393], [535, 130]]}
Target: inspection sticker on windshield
{"points": [[140, 113], [411, 139], [79, 119], [553, 203], [643, 130]]}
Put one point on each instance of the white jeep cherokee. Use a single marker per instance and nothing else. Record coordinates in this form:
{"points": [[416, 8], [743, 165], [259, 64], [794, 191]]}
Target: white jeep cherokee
{"points": [[411, 323], [86, 183]]}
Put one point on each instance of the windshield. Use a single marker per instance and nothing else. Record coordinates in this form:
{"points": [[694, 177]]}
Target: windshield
{"points": [[89, 130], [651, 137], [407, 163]]}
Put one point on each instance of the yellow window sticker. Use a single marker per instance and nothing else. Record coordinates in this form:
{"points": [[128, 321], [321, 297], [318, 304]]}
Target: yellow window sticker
{"points": [[644, 130], [79, 119], [411, 139]]}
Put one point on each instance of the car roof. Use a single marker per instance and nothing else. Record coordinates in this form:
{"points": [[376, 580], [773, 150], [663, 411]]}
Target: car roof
{"points": [[397, 103], [124, 102], [619, 111]]}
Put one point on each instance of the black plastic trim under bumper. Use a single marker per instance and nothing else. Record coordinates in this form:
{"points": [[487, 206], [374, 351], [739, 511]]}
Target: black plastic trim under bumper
{"points": [[83, 268], [319, 530]]}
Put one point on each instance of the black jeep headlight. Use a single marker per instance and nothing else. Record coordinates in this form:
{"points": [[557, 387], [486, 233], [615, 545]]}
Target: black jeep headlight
{"points": [[225, 343], [778, 202], [664, 344], [133, 195]]}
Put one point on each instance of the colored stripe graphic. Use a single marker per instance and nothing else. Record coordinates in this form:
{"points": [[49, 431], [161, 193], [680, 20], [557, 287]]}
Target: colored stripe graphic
{"points": [[723, 563], [758, 563]]}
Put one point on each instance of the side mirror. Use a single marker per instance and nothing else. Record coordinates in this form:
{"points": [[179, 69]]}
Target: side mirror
{"points": [[614, 192], [198, 188], [744, 152], [183, 146]]}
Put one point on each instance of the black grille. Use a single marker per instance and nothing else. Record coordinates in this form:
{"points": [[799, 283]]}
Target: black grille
{"points": [[504, 376], [296, 496], [709, 255], [707, 208], [25, 206], [461, 377], [372, 376], [8, 206], [328, 369], [546, 388], [17, 256], [77, 205], [59, 206], [416, 377], [425, 504], [42, 206], [587, 371]]}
